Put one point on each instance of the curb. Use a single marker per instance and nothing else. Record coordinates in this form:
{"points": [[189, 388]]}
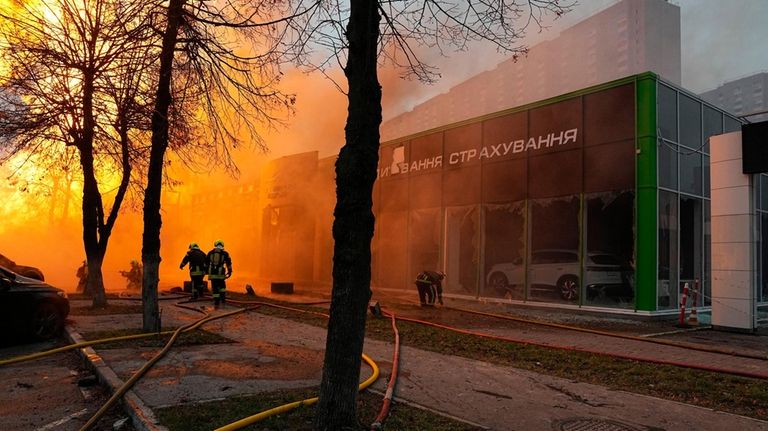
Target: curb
{"points": [[142, 417]]}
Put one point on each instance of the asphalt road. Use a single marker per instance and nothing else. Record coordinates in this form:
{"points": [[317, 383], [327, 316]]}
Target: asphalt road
{"points": [[44, 394]]}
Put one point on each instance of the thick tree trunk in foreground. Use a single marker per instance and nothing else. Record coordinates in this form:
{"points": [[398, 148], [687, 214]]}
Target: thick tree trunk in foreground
{"points": [[150, 250], [91, 199], [353, 224]]}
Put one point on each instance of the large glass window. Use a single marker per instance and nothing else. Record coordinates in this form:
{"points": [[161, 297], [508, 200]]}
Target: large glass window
{"points": [[690, 171], [505, 181], [691, 235], [608, 265], [502, 130], [393, 250], [554, 271], [684, 217], [555, 174], [609, 116], [609, 166], [461, 186], [668, 164], [505, 251], [392, 194], [462, 250], [762, 205], [667, 113], [713, 125], [668, 273], [426, 190], [690, 122], [762, 291], [705, 167], [731, 125], [424, 239], [706, 282]]}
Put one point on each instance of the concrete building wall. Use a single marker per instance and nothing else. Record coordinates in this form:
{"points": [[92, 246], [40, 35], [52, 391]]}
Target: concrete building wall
{"points": [[733, 239], [630, 37], [742, 96]]}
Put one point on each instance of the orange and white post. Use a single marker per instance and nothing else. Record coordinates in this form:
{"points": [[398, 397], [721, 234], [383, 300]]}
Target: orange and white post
{"points": [[682, 305]]}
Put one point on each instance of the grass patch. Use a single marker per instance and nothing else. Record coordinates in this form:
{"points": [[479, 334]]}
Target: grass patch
{"points": [[109, 309], [207, 416], [195, 337], [739, 395]]}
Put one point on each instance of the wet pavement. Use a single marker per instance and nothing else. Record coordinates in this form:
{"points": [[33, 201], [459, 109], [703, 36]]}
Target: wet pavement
{"points": [[272, 353]]}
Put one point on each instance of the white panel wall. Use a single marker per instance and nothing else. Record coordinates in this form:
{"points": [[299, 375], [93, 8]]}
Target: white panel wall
{"points": [[733, 246]]}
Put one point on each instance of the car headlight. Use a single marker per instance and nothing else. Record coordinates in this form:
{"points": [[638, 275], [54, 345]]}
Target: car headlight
{"points": [[62, 294]]}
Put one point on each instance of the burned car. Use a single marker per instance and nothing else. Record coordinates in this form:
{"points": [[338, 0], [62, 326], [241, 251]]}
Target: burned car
{"points": [[31, 308], [26, 271]]}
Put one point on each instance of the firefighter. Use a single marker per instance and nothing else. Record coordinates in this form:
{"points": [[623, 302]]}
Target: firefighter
{"points": [[82, 277], [198, 263], [218, 258], [134, 275], [430, 286]]}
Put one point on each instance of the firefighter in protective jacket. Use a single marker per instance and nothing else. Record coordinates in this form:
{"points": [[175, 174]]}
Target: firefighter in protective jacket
{"points": [[134, 275], [218, 259], [198, 264], [430, 285]]}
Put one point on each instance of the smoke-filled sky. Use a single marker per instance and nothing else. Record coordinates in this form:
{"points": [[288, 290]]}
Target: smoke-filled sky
{"points": [[721, 40]]}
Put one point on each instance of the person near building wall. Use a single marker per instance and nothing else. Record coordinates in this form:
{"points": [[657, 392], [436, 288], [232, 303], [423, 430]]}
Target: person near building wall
{"points": [[430, 286]]}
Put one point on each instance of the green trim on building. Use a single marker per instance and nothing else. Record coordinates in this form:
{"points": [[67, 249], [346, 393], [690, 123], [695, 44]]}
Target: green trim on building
{"points": [[646, 208]]}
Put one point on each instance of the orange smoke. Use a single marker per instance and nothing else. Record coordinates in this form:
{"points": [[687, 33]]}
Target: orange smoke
{"points": [[42, 225]]}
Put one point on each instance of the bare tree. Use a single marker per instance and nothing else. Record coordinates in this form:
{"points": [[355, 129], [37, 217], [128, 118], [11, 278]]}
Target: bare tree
{"points": [[67, 61], [230, 90], [359, 36]]}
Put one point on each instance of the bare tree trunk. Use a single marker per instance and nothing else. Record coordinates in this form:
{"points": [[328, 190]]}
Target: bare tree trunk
{"points": [[91, 199], [353, 224], [67, 196], [150, 250]]}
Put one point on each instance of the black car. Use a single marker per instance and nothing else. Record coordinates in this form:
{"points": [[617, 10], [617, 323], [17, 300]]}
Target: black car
{"points": [[31, 308]]}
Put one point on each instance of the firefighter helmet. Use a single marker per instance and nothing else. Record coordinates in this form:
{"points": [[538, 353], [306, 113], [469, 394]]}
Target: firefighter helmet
{"points": [[218, 243], [193, 245]]}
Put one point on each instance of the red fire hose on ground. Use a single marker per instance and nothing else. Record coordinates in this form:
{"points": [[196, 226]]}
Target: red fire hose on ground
{"points": [[387, 402]]}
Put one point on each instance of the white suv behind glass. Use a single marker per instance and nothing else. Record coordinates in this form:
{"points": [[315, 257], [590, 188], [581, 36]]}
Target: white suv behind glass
{"points": [[559, 270]]}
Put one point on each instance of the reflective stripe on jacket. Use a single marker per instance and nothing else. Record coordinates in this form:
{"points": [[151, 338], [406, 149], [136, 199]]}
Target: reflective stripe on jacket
{"points": [[197, 260]]}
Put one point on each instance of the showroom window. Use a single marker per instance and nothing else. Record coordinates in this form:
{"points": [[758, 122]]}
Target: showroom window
{"points": [[762, 210], [685, 126], [505, 251], [667, 269]]}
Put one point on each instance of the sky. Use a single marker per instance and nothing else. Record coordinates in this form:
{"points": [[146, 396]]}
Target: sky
{"points": [[721, 40]]}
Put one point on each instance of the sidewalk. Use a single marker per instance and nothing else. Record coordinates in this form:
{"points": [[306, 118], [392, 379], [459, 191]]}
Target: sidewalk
{"points": [[273, 353]]}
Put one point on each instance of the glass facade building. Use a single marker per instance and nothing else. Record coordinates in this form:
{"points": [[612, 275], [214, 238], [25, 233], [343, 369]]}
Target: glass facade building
{"points": [[597, 198]]}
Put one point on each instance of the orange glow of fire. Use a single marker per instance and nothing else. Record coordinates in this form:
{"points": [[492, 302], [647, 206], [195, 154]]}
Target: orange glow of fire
{"points": [[42, 225]]}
